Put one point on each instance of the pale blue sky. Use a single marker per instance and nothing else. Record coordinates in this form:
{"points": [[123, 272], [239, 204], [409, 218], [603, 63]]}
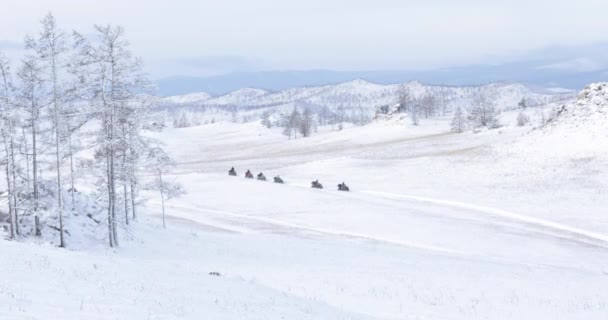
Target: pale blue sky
{"points": [[194, 37]]}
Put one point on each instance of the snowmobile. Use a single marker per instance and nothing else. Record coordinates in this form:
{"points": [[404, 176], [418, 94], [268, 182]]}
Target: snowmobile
{"points": [[232, 172], [261, 176], [315, 184], [248, 175], [278, 179], [343, 187]]}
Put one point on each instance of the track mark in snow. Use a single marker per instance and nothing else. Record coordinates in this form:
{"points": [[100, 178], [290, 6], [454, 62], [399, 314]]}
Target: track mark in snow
{"points": [[321, 230], [592, 237]]}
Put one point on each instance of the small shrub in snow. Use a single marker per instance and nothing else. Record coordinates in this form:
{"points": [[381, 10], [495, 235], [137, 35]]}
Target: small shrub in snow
{"points": [[522, 119]]}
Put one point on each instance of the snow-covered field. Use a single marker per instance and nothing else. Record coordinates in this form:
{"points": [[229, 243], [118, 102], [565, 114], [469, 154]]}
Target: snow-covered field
{"points": [[436, 226]]}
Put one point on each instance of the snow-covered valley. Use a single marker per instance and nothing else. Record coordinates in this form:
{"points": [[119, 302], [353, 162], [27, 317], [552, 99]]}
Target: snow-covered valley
{"points": [[304, 160], [437, 225]]}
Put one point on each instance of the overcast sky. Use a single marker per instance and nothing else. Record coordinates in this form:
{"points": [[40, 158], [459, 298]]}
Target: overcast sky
{"points": [[199, 37]]}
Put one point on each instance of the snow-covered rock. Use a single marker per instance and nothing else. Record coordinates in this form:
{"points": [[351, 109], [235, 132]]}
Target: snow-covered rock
{"points": [[589, 112], [579, 130]]}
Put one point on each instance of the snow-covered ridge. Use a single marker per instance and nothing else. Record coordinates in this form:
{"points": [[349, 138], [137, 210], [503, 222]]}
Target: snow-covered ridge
{"points": [[363, 95], [187, 98], [590, 110], [579, 131], [239, 96]]}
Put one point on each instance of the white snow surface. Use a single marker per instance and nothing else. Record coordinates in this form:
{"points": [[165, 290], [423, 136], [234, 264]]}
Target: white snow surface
{"points": [[436, 226]]}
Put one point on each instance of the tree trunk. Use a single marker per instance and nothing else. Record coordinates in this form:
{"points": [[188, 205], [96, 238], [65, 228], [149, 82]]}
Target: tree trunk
{"points": [[57, 141], [27, 160], [35, 172], [71, 168], [9, 193], [110, 224], [126, 200], [133, 197], [14, 174], [162, 196]]}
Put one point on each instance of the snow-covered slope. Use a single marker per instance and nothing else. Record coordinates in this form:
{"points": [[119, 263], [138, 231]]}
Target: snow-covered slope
{"points": [[238, 97], [434, 227], [588, 114], [363, 95], [579, 132], [186, 99]]}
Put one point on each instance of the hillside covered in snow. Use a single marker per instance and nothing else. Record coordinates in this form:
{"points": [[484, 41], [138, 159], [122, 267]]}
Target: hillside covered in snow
{"points": [[578, 132], [361, 94], [340, 202]]}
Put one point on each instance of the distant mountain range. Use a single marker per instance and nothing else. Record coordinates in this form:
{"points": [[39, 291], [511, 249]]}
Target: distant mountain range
{"points": [[529, 73], [364, 96]]}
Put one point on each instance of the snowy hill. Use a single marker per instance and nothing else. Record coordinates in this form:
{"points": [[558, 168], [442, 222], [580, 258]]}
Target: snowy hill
{"points": [[238, 97], [187, 98], [363, 95], [589, 113], [578, 132]]}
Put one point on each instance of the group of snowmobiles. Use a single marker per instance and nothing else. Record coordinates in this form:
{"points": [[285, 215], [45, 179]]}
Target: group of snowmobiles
{"points": [[314, 184]]}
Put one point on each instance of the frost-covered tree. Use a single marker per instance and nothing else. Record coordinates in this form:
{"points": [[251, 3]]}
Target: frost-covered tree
{"points": [[523, 104], [56, 93], [444, 98], [522, 119], [181, 121], [306, 123], [7, 131], [414, 111], [51, 48], [404, 99], [483, 113], [234, 117], [458, 124], [291, 124], [115, 81], [160, 163], [340, 118], [265, 119], [428, 103], [31, 93]]}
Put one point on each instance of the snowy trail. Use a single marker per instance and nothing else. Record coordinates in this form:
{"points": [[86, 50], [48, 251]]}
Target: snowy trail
{"points": [[248, 224], [569, 232], [275, 226], [437, 226]]}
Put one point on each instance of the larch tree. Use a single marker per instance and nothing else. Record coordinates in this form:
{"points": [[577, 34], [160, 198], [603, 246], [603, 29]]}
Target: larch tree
{"points": [[160, 163], [295, 120], [483, 113], [414, 111], [404, 99], [459, 121], [51, 48], [7, 131], [523, 104], [115, 83], [306, 123], [30, 96], [265, 119], [339, 117]]}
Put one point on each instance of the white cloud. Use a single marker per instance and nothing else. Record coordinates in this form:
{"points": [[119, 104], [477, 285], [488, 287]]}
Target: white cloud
{"points": [[338, 34], [576, 65]]}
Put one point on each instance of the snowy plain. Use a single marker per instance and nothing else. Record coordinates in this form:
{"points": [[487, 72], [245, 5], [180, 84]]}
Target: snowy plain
{"points": [[437, 225]]}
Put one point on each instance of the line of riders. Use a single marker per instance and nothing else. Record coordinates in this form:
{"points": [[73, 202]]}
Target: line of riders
{"points": [[315, 184]]}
